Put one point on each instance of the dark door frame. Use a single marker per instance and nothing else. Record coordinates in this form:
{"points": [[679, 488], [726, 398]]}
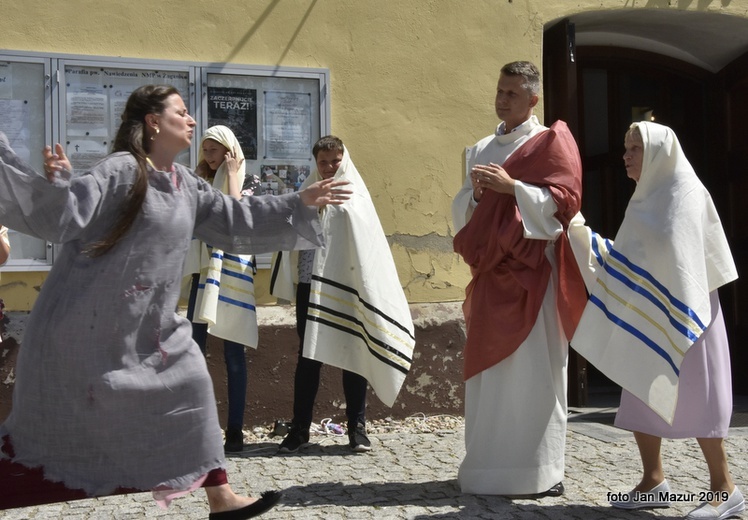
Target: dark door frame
{"points": [[713, 136]]}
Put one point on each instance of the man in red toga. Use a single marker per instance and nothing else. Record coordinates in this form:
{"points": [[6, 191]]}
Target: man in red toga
{"points": [[525, 298]]}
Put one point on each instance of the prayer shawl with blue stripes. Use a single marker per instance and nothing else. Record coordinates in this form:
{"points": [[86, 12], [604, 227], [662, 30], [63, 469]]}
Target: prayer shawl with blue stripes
{"points": [[226, 291], [358, 319], [649, 301]]}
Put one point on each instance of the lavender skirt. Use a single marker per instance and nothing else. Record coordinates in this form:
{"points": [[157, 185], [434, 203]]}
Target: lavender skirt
{"points": [[704, 391]]}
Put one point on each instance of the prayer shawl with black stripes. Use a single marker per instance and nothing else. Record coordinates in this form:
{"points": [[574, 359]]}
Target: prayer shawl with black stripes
{"points": [[358, 317], [650, 301]]}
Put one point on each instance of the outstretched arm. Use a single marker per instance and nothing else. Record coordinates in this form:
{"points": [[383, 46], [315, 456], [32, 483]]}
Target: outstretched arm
{"points": [[328, 191], [54, 206]]}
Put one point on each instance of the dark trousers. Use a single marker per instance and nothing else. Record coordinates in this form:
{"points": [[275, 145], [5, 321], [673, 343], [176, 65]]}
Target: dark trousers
{"points": [[306, 380], [233, 356]]}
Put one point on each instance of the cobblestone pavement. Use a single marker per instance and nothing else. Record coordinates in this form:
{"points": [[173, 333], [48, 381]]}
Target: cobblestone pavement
{"points": [[412, 476]]}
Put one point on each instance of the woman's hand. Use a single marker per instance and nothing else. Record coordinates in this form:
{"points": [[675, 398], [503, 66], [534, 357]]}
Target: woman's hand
{"points": [[232, 169], [232, 164], [55, 162], [490, 177], [328, 191]]}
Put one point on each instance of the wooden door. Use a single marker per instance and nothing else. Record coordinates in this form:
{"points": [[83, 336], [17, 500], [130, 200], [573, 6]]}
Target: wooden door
{"points": [[560, 76], [560, 102], [729, 190]]}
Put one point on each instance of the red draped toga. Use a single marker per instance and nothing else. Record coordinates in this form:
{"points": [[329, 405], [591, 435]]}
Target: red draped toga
{"points": [[511, 272]]}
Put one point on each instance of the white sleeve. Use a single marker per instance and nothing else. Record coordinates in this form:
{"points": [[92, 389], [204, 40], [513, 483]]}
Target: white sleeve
{"points": [[590, 249], [463, 205], [537, 208]]}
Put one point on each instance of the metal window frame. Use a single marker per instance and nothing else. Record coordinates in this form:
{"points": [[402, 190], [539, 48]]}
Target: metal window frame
{"points": [[55, 102]]}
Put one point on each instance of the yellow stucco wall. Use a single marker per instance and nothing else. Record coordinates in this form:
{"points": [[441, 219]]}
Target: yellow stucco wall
{"points": [[19, 290], [412, 85]]}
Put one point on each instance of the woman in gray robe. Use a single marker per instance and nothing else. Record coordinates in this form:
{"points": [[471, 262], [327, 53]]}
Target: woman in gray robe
{"points": [[111, 392]]}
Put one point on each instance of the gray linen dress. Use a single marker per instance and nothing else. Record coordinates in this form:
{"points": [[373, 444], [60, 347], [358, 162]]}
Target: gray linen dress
{"points": [[110, 390]]}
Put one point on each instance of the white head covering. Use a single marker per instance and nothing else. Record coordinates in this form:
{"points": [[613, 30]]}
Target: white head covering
{"points": [[223, 135], [663, 164], [651, 302], [671, 221]]}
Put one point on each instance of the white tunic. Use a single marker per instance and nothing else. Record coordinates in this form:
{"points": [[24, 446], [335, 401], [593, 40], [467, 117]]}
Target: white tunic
{"points": [[515, 411]]}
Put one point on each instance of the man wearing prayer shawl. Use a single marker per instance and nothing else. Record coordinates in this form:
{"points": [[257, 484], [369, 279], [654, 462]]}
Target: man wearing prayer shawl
{"points": [[351, 310], [525, 297], [654, 323]]}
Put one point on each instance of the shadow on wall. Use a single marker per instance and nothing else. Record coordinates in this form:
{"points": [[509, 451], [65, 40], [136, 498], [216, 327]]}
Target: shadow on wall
{"points": [[433, 386]]}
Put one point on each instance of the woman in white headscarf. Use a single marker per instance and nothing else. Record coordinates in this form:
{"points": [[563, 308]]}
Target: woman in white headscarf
{"points": [[654, 323], [221, 300]]}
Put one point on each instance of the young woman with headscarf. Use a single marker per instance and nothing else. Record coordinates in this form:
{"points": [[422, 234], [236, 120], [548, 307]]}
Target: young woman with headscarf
{"points": [[221, 285]]}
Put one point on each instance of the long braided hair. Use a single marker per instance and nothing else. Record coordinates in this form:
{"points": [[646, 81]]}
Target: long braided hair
{"points": [[131, 137]]}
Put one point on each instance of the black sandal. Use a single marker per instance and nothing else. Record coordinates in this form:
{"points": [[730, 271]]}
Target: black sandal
{"points": [[266, 502]]}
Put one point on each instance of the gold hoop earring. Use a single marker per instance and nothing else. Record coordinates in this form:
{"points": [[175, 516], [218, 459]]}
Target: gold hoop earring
{"points": [[153, 137]]}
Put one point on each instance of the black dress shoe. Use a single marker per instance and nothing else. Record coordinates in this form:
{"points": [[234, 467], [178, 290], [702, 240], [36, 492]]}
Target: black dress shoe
{"points": [[266, 501], [555, 491]]}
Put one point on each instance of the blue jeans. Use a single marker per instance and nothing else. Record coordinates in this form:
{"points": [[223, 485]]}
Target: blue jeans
{"points": [[233, 356]]}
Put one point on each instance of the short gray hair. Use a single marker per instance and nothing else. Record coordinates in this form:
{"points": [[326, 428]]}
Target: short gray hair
{"points": [[528, 71]]}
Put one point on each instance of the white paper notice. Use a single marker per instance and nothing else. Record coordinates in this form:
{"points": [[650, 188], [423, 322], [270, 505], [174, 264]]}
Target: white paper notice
{"points": [[117, 100], [84, 154], [88, 112], [288, 125], [15, 121], [6, 80]]}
